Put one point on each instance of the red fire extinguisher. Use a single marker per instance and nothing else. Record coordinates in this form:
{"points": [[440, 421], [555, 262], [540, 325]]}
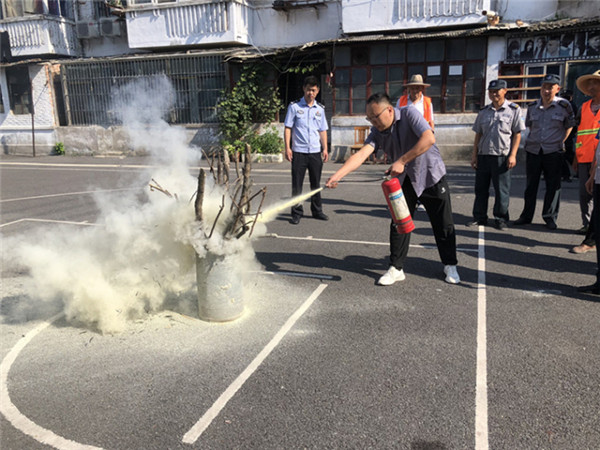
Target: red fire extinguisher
{"points": [[397, 205]]}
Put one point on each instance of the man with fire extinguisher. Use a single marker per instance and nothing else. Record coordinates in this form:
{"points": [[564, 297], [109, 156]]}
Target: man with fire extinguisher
{"points": [[406, 138]]}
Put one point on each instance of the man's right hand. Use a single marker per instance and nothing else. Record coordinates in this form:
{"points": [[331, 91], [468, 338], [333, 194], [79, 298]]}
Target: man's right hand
{"points": [[332, 183]]}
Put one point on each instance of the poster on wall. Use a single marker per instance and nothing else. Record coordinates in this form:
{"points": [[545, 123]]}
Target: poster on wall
{"points": [[578, 44]]}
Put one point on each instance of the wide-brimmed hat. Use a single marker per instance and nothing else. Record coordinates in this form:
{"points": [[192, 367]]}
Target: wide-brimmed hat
{"points": [[582, 81], [417, 80]]}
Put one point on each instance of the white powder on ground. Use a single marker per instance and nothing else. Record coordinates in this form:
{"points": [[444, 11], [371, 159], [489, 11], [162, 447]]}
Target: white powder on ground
{"points": [[142, 256]]}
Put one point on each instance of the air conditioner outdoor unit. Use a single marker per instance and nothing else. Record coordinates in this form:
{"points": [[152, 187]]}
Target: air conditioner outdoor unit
{"points": [[110, 27], [87, 30]]}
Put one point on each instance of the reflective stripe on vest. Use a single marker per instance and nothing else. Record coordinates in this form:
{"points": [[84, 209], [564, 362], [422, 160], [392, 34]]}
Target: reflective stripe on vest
{"points": [[585, 146], [426, 106]]}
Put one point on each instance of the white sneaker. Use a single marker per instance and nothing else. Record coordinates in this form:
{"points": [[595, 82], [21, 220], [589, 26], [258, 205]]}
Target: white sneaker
{"points": [[391, 276], [451, 275]]}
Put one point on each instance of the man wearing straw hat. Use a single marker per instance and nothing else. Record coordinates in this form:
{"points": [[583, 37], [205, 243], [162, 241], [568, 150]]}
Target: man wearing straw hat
{"points": [[415, 97], [585, 147]]}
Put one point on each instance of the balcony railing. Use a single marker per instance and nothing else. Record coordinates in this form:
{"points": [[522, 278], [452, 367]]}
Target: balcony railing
{"points": [[183, 24], [38, 35], [410, 14]]}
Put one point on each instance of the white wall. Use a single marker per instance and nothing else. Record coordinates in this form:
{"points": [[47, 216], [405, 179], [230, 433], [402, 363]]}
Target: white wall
{"points": [[400, 15], [537, 10], [15, 130], [273, 28]]}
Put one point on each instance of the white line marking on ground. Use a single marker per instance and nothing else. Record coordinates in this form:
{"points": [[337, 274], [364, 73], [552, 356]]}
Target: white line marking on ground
{"points": [[37, 197], [346, 241], [66, 222], [10, 411], [194, 433], [481, 399]]}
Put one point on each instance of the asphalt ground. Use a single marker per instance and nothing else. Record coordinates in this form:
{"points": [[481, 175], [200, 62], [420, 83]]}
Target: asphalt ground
{"points": [[323, 357]]}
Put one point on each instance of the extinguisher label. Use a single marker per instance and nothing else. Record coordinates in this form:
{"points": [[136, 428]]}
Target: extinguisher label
{"points": [[399, 207]]}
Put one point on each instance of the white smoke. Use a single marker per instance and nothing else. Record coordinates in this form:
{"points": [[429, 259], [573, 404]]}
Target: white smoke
{"points": [[141, 257]]}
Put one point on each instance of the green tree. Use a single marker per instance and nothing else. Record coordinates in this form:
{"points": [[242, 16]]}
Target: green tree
{"points": [[249, 102]]}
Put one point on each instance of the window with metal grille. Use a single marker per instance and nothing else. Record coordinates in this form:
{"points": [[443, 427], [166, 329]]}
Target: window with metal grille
{"points": [[197, 80], [455, 68]]}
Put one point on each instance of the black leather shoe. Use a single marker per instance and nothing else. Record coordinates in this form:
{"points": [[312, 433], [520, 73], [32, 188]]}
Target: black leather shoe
{"points": [[320, 216], [475, 223], [295, 220], [591, 289], [521, 221], [500, 225], [551, 225]]}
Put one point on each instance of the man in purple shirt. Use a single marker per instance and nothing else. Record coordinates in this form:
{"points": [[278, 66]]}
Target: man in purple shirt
{"points": [[406, 138]]}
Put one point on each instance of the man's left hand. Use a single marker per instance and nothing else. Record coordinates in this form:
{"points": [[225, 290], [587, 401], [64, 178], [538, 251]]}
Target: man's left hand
{"points": [[325, 156], [511, 162]]}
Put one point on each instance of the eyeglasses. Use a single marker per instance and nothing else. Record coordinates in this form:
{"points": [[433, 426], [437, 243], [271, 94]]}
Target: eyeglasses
{"points": [[371, 120]]}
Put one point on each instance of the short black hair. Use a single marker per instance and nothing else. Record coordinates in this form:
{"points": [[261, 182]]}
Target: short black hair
{"points": [[311, 80], [380, 97]]}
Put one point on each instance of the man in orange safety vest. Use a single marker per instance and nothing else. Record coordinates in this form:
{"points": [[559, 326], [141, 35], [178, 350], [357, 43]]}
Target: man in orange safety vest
{"points": [[414, 96]]}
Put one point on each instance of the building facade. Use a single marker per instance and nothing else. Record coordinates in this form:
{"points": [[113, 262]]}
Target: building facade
{"points": [[61, 61]]}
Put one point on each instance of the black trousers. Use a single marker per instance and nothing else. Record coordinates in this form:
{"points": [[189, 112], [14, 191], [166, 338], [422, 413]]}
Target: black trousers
{"points": [[436, 201], [492, 169], [596, 223], [301, 162], [550, 165]]}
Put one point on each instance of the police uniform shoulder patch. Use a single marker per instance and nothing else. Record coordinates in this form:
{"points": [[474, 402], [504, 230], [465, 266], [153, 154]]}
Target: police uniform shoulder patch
{"points": [[565, 104], [513, 105], [321, 105], [293, 102], [533, 103]]}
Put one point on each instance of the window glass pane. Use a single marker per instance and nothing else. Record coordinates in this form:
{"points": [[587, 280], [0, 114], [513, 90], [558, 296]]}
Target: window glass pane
{"points": [[377, 87], [13, 8], [454, 93], [415, 52], [476, 48], [378, 75], [474, 70], [342, 93], [359, 106], [359, 91], [17, 79], [415, 70], [435, 51], [396, 91], [395, 82], [342, 76], [473, 104], [360, 56], [379, 54], [435, 90], [396, 74], [342, 107], [342, 56], [395, 53], [359, 76], [456, 50], [453, 104]]}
